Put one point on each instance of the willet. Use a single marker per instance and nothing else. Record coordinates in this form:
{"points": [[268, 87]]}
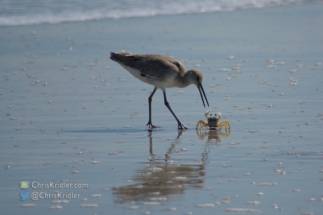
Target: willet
{"points": [[162, 72]]}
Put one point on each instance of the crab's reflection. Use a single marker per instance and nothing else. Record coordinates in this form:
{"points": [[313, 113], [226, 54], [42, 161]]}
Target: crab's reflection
{"points": [[213, 135], [162, 177]]}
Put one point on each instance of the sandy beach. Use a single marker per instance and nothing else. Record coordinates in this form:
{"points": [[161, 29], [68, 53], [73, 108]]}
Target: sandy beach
{"points": [[71, 115]]}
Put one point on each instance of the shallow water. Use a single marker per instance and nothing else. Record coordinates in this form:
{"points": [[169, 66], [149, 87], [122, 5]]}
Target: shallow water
{"points": [[69, 113]]}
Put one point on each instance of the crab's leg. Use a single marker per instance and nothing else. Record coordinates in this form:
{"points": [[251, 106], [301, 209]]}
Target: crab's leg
{"points": [[200, 124], [225, 124]]}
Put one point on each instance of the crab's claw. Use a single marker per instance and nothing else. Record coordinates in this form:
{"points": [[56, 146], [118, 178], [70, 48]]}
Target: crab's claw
{"points": [[218, 115], [207, 113]]}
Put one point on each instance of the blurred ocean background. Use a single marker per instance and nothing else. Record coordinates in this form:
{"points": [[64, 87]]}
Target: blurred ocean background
{"points": [[30, 12]]}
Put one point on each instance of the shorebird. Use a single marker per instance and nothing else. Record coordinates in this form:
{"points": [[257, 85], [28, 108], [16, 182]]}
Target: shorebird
{"points": [[162, 72]]}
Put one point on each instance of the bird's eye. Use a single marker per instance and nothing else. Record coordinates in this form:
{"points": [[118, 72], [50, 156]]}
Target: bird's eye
{"points": [[197, 78]]}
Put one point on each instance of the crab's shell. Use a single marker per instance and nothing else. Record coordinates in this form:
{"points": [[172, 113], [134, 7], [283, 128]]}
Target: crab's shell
{"points": [[212, 122]]}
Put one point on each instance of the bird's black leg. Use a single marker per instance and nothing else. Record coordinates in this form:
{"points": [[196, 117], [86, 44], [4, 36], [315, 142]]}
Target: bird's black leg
{"points": [[150, 98], [180, 124]]}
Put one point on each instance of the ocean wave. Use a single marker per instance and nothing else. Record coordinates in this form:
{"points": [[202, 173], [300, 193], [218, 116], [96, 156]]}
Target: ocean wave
{"points": [[31, 12]]}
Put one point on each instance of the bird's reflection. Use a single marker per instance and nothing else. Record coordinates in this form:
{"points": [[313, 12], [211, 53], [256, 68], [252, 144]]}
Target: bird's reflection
{"points": [[162, 177]]}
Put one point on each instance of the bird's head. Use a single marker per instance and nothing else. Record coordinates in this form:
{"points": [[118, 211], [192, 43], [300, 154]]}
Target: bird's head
{"points": [[196, 77]]}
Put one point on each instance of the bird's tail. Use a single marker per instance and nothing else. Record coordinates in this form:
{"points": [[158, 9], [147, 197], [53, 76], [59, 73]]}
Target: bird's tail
{"points": [[114, 56]]}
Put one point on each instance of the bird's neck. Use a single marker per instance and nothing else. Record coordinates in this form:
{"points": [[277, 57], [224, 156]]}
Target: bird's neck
{"points": [[184, 79]]}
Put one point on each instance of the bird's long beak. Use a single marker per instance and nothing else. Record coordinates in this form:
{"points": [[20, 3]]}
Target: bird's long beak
{"points": [[200, 87]]}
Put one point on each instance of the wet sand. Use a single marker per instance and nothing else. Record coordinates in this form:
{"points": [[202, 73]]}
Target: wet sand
{"points": [[70, 114]]}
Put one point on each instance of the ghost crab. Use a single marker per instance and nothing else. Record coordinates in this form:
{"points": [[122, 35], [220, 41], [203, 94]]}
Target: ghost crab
{"points": [[213, 122]]}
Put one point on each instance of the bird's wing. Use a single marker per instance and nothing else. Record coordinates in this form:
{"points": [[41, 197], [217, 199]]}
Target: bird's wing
{"points": [[151, 66]]}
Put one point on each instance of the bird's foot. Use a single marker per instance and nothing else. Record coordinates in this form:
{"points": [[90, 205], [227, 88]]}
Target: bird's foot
{"points": [[181, 126], [151, 126]]}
